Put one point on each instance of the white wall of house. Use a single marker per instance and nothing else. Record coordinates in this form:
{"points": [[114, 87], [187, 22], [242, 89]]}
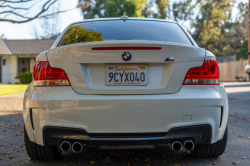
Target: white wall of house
{"points": [[12, 50], [9, 70]]}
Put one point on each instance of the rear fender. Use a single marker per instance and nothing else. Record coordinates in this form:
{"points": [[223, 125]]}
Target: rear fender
{"points": [[26, 112], [225, 112]]}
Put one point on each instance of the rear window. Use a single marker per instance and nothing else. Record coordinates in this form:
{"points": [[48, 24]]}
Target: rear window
{"points": [[120, 30]]}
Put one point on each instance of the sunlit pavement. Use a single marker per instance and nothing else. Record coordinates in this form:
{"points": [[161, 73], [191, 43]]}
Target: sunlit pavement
{"points": [[237, 152], [13, 102]]}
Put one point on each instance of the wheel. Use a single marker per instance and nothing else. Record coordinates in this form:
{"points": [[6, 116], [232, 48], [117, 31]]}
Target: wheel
{"points": [[211, 150], [38, 152]]}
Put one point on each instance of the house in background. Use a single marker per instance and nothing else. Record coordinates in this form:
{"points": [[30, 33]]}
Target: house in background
{"points": [[18, 56]]}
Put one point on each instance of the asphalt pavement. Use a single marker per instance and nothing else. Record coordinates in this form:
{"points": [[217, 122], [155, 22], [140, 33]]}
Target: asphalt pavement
{"points": [[13, 102], [12, 150]]}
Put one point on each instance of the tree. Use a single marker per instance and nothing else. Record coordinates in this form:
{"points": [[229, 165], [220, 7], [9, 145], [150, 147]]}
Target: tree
{"points": [[162, 8], [14, 12], [183, 10], [146, 10], [91, 8], [242, 53], [238, 38], [212, 23], [2, 36], [46, 29], [116, 8], [111, 8]]}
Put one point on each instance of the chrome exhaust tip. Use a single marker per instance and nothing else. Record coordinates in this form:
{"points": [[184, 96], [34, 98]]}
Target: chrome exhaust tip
{"points": [[65, 146], [188, 145], [177, 146], [77, 147]]}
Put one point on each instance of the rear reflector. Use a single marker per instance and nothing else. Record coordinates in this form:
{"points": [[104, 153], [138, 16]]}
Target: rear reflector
{"points": [[207, 74], [126, 48], [44, 75]]}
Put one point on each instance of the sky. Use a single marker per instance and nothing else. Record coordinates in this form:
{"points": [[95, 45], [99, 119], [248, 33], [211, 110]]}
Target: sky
{"points": [[27, 30], [35, 28]]}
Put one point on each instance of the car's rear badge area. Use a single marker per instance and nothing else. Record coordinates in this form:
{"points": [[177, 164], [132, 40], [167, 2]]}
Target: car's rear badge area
{"points": [[169, 59]]}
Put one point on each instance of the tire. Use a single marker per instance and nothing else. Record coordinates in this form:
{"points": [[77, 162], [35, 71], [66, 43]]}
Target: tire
{"points": [[38, 152], [211, 150]]}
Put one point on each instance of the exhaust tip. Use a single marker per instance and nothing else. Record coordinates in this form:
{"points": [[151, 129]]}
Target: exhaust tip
{"points": [[77, 147], [176, 146], [188, 145], [65, 146]]}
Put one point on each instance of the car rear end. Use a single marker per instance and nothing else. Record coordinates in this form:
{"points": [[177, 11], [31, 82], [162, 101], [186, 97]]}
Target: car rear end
{"points": [[134, 82]]}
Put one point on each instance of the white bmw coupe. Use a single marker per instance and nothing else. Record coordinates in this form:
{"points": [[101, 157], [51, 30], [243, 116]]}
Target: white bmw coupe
{"points": [[125, 81]]}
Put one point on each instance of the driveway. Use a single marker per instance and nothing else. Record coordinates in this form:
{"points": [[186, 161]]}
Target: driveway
{"points": [[236, 153], [12, 102]]}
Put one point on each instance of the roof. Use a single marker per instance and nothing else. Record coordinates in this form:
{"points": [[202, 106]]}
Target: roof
{"points": [[25, 46], [118, 18], [4, 49]]}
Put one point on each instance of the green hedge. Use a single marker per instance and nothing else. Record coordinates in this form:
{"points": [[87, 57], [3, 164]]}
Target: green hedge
{"points": [[25, 78]]}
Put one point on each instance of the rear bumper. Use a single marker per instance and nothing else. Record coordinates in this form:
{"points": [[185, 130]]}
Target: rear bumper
{"points": [[61, 107], [199, 134]]}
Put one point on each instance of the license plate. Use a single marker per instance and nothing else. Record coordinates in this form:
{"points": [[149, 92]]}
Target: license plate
{"points": [[126, 75]]}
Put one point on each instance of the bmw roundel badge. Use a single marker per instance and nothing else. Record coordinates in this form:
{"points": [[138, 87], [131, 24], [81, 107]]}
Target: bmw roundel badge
{"points": [[126, 56]]}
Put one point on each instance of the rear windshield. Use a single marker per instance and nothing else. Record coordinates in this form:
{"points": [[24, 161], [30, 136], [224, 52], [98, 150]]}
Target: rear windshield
{"points": [[120, 30]]}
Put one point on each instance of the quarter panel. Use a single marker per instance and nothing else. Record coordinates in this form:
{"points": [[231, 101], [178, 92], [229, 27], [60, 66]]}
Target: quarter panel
{"points": [[210, 56], [42, 56]]}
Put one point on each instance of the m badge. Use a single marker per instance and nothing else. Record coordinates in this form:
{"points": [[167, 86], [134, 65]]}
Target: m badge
{"points": [[169, 59]]}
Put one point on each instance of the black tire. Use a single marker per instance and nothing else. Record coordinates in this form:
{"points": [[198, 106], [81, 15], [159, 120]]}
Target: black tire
{"points": [[38, 152], [211, 150]]}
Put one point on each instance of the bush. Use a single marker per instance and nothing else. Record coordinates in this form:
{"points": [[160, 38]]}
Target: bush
{"points": [[25, 78]]}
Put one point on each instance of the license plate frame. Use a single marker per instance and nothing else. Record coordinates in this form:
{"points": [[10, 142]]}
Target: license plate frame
{"points": [[138, 78]]}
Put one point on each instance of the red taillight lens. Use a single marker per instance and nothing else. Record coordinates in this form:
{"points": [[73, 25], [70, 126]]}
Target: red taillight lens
{"points": [[44, 75], [207, 74]]}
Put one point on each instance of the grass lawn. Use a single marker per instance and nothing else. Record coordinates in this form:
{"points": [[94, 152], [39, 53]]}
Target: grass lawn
{"points": [[6, 89]]}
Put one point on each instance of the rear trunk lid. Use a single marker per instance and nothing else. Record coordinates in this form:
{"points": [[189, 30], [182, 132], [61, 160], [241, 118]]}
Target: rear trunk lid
{"points": [[85, 66]]}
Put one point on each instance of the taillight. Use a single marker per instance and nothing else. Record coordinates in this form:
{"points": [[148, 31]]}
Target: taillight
{"points": [[44, 75], [207, 74]]}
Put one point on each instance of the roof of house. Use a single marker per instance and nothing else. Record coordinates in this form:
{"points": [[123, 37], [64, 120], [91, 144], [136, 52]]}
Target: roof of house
{"points": [[25, 46], [4, 48]]}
